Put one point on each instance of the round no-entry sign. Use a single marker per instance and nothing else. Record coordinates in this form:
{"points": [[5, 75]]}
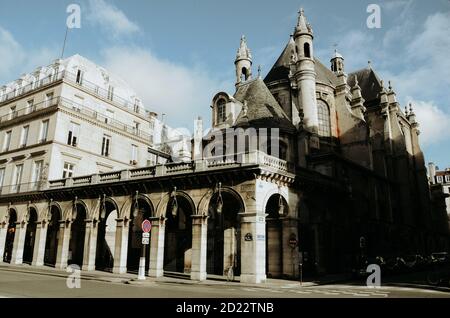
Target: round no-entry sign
{"points": [[146, 226], [293, 242]]}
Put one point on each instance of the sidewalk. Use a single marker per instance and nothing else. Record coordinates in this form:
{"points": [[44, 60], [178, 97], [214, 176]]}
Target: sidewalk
{"points": [[214, 280]]}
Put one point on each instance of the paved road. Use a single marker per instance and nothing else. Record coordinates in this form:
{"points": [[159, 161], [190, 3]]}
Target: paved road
{"points": [[20, 284]]}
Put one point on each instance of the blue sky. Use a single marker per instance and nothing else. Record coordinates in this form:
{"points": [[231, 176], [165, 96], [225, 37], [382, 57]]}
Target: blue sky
{"points": [[176, 54]]}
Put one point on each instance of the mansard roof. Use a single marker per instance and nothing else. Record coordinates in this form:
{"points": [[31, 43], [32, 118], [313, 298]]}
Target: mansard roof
{"points": [[260, 110]]}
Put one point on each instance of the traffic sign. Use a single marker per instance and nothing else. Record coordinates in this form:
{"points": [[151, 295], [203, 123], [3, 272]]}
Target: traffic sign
{"points": [[146, 226], [145, 241], [145, 235]]}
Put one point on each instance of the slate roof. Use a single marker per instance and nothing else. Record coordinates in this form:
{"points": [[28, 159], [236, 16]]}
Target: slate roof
{"points": [[368, 81], [280, 69], [262, 108]]}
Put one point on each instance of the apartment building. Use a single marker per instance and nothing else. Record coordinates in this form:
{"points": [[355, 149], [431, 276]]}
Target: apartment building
{"points": [[69, 119]]}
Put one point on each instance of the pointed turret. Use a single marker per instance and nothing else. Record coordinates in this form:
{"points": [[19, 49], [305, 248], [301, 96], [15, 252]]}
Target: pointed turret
{"points": [[304, 75], [383, 96], [357, 102], [337, 63], [411, 115], [302, 24], [243, 62]]}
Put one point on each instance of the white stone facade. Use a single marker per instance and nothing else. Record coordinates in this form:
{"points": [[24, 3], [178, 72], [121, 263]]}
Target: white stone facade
{"points": [[73, 116]]}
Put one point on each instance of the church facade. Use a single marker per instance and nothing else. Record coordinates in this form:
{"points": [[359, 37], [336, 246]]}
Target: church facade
{"points": [[310, 166]]}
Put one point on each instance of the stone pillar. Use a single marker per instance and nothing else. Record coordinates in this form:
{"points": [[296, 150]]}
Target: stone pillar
{"points": [[39, 244], [157, 247], [19, 243], [121, 247], [90, 246], [3, 232], [199, 247], [290, 255], [63, 245], [253, 248]]}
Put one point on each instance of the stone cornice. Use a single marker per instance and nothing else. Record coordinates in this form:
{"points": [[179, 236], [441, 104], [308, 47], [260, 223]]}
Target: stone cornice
{"points": [[104, 126]]}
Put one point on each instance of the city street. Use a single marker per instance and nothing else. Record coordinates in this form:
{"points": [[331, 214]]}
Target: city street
{"points": [[36, 284]]}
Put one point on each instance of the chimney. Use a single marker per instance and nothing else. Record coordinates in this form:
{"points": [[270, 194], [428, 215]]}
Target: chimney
{"points": [[198, 139], [432, 172]]}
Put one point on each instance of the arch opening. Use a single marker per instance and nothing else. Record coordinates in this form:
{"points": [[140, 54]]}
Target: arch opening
{"points": [[30, 236], [224, 235], [144, 212], [276, 208], [178, 235], [106, 237], [51, 242], [323, 112], [10, 234], [245, 74], [307, 50], [77, 234]]}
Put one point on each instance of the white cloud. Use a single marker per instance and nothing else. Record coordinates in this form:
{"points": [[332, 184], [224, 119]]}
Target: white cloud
{"points": [[433, 122], [357, 49], [396, 5], [425, 77], [110, 18], [15, 59], [11, 53], [181, 92]]}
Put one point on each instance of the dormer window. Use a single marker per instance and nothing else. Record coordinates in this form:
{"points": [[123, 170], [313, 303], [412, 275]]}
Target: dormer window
{"points": [[220, 111], [79, 79], [111, 93]]}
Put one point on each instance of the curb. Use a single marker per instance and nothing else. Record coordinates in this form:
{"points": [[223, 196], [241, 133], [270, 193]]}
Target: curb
{"points": [[154, 282]]}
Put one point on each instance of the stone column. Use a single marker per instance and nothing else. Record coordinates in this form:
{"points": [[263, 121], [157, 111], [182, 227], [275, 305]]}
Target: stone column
{"points": [[290, 255], [90, 246], [121, 247], [3, 232], [63, 245], [199, 247], [19, 243], [157, 247], [39, 244], [253, 248]]}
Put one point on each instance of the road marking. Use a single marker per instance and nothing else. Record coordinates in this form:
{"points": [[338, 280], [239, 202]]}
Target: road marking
{"points": [[300, 292], [262, 290]]}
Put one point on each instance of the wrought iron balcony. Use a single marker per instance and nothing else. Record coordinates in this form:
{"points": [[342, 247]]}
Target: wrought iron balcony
{"points": [[65, 103], [72, 79]]}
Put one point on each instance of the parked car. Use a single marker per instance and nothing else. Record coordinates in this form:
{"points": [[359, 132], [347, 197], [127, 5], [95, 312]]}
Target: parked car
{"points": [[414, 262], [440, 258]]}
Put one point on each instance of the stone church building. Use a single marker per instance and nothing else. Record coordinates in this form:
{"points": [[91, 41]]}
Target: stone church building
{"points": [[311, 165]]}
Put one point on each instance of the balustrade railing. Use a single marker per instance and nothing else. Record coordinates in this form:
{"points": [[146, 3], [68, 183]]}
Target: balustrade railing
{"points": [[243, 159]]}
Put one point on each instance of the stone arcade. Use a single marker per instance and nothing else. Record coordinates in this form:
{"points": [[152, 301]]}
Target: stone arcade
{"points": [[66, 223]]}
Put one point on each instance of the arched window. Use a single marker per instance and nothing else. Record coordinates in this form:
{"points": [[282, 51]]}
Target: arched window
{"points": [[220, 114], [244, 74], [324, 119], [307, 50]]}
